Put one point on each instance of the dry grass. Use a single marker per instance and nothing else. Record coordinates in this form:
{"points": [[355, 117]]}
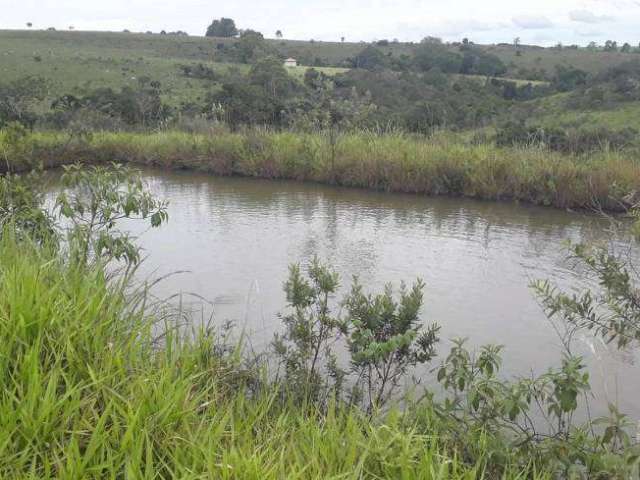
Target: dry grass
{"points": [[395, 163]]}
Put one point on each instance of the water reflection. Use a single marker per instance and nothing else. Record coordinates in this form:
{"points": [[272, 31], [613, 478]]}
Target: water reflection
{"points": [[238, 236]]}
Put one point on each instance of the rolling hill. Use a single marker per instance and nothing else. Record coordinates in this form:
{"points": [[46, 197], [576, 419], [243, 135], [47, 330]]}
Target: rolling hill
{"points": [[73, 61]]}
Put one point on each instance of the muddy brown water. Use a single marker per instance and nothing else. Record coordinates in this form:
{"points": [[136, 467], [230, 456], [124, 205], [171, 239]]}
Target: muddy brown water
{"points": [[236, 238]]}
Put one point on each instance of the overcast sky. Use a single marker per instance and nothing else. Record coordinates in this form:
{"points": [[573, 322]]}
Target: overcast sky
{"points": [[544, 22]]}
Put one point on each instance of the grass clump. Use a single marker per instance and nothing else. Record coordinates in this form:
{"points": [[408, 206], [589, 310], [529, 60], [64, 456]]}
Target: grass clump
{"points": [[396, 162], [88, 392]]}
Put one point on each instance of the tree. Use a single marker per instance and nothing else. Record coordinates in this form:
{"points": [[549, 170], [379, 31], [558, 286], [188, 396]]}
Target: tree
{"points": [[94, 202], [271, 76], [310, 328], [431, 40], [516, 42], [371, 58], [251, 47], [224, 27], [29, 24], [431, 54], [626, 48], [342, 39], [610, 46], [22, 198], [385, 339], [477, 62], [18, 99], [279, 34], [313, 79], [257, 99], [568, 78]]}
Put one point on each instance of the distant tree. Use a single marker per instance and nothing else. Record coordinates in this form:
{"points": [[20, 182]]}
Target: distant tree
{"points": [[313, 78], [431, 40], [71, 27], [593, 46], [29, 24], [371, 58], [225, 27], [17, 100], [435, 55], [610, 46], [251, 46], [272, 77], [568, 78], [516, 42], [256, 99], [163, 32], [626, 48], [477, 62], [342, 39], [279, 34]]}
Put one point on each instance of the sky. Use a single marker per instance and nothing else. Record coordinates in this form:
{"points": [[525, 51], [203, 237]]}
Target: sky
{"points": [[542, 22]]}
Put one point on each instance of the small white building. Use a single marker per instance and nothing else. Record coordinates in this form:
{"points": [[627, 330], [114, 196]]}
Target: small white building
{"points": [[290, 63]]}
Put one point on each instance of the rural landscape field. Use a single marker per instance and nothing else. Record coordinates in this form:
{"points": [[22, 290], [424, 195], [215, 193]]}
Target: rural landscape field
{"points": [[232, 254]]}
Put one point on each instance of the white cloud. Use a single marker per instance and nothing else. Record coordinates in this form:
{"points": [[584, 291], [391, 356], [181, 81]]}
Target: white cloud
{"points": [[532, 22], [587, 16]]}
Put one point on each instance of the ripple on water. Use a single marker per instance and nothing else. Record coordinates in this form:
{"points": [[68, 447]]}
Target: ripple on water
{"points": [[238, 236]]}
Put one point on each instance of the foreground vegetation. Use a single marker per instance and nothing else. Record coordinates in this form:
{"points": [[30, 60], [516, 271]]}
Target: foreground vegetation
{"points": [[99, 382], [396, 162], [88, 393]]}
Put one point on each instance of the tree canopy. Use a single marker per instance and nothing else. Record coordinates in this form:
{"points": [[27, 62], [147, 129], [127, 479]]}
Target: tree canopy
{"points": [[224, 27]]}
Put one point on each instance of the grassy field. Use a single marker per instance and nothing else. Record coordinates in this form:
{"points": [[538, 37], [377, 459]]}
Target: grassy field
{"points": [[397, 163], [300, 70], [518, 81], [548, 58], [530, 57], [551, 111], [77, 61], [73, 61]]}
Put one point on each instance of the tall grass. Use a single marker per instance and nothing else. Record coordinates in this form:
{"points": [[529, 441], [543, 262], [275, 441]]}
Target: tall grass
{"points": [[86, 392], [393, 162]]}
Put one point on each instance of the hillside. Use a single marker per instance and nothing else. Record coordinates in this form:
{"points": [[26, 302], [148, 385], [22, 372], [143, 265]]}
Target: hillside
{"points": [[92, 59], [417, 98]]}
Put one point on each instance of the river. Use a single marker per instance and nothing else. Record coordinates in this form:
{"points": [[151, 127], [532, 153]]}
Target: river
{"points": [[234, 239]]}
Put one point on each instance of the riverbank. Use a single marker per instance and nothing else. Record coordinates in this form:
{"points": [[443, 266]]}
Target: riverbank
{"points": [[394, 163]]}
